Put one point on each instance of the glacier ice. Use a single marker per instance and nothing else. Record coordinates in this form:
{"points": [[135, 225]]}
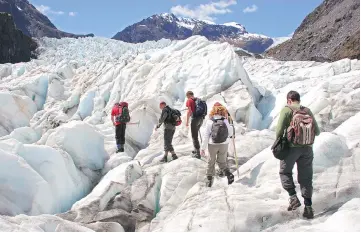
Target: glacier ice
{"points": [[15, 111], [57, 145]]}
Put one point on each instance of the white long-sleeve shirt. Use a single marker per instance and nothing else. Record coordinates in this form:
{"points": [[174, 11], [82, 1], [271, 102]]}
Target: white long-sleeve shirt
{"points": [[208, 131]]}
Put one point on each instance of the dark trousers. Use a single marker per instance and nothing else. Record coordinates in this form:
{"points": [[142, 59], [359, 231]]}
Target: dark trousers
{"points": [[303, 156], [196, 124], [168, 138], [120, 134]]}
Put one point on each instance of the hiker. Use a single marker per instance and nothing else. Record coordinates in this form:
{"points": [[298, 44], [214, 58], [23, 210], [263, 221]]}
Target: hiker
{"points": [[171, 118], [197, 110], [301, 128], [228, 117], [216, 137], [220, 172], [120, 117]]}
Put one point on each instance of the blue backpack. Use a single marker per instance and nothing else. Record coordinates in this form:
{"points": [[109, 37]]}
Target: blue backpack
{"points": [[201, 108]]}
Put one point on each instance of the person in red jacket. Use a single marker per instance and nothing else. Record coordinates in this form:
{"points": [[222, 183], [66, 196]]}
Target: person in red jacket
{"points": [[196, 123], [120, 117]]}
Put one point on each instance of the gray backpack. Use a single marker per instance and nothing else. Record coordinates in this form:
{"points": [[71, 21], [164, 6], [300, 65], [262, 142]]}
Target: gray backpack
{"points": [[219, 132]]}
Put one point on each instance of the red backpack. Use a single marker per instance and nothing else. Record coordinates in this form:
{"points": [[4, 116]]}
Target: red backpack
{"points": [[123, 112]]}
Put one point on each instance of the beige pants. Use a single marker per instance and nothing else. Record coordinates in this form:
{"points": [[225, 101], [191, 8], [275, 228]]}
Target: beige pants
{"points": [[217, 152]]}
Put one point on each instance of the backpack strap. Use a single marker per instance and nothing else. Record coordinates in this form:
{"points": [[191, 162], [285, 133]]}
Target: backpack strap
{"points": [[287, 106], [168, 110], [294, 111]]}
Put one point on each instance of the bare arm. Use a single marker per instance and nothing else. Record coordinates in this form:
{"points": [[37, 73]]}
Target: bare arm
{"points": [[112, 118], [206, 134], [189, 113]]}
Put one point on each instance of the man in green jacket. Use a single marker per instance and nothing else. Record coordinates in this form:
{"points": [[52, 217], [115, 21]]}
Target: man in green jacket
{"points": [[300, 154]]}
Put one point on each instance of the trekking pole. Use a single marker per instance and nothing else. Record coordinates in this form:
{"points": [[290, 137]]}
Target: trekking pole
{"points": [[234, 145], [235, 155], [134, 123]]}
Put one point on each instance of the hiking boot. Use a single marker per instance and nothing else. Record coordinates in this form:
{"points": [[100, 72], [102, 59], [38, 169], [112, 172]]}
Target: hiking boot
{"points": [[308, 212], [118, 150], [220, 173], [174, 156], [196, 154], [230, 176], [209, 181], [294, 203], [164, 159]]}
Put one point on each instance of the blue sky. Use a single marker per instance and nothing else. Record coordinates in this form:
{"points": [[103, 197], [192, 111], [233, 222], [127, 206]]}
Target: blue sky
{"points": [[105, 18]]}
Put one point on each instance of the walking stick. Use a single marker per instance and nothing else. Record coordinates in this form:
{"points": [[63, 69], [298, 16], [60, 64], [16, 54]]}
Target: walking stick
{"points": [[134, 123], [235, 155], [234, 146]]}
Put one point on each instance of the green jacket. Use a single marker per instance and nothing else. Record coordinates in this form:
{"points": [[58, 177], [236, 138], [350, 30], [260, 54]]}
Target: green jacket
{"points": [[285, 120]]}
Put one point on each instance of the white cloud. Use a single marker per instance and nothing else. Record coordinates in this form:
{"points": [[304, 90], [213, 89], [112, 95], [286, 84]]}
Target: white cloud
{"points": [[46, 10], [204, 11], [71, 13], [250, 9]]}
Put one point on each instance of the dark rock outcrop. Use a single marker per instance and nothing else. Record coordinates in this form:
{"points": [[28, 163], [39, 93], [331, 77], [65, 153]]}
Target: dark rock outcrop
{"points": [[31, 22], [168, 26], [331, 32], [14, 45]]}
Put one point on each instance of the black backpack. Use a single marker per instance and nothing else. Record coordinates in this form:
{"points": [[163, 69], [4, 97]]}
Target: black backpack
{"points": [[219, 132], [201, 108], [174, 116]]}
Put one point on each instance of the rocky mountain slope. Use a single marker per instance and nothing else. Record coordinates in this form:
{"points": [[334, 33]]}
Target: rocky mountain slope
{"points": [[30, 21], [331, 32], [14, 45], [168, 26]]}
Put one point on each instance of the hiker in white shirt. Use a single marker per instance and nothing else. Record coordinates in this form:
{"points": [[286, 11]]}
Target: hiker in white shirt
{"points": [[216, 137]]}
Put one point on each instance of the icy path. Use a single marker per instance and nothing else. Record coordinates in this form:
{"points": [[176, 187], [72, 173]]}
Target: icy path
{"points": [[58, 143]]}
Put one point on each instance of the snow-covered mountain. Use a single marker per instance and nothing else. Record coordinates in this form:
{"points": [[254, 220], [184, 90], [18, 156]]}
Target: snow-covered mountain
{"points": [[58, 166], [169, 26]]}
